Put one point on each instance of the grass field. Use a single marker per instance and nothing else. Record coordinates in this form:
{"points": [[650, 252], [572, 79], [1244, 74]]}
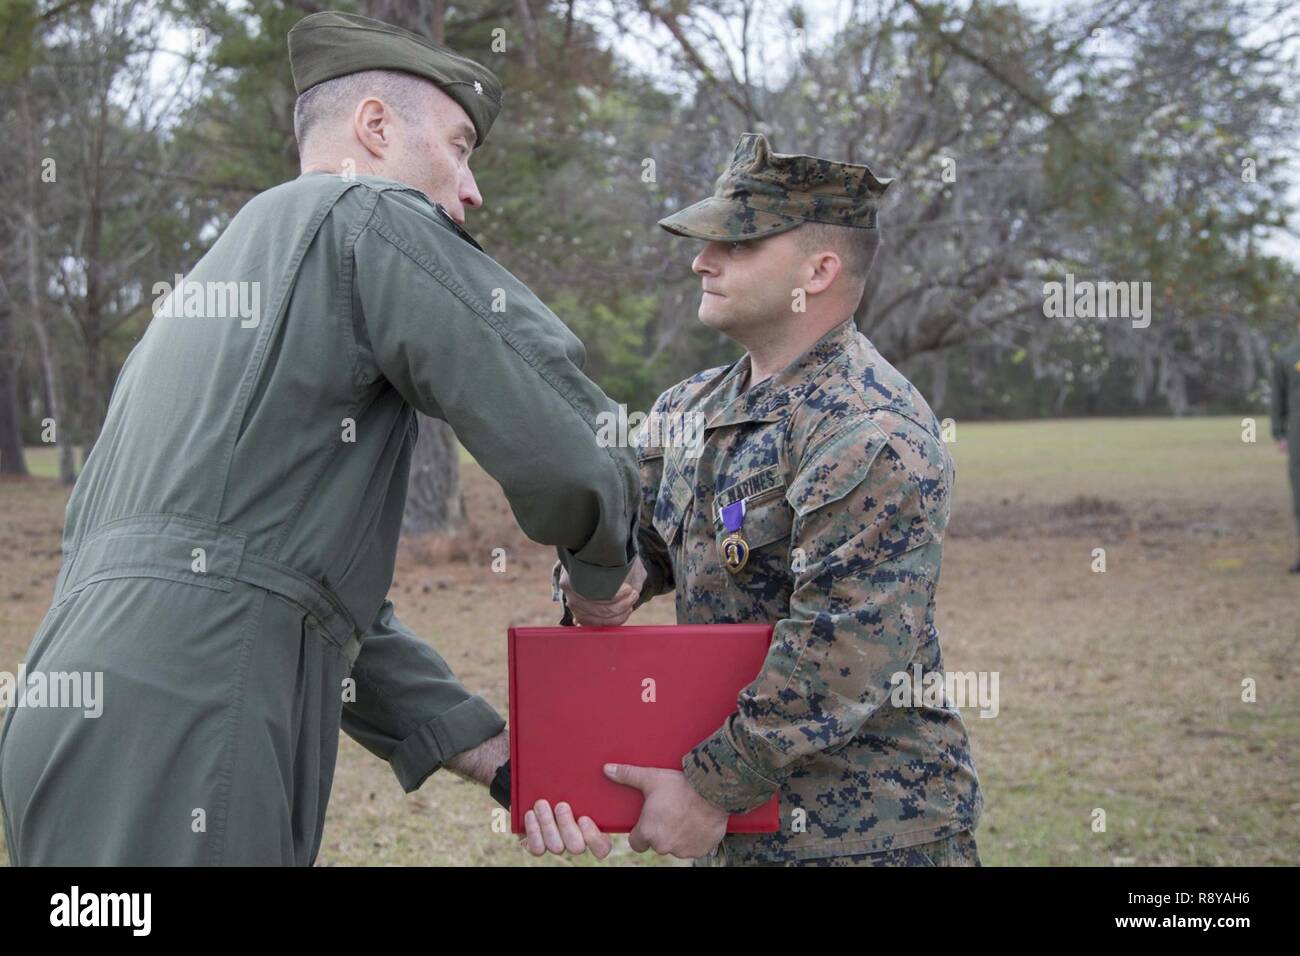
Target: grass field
{"points": [[1118, 690]]}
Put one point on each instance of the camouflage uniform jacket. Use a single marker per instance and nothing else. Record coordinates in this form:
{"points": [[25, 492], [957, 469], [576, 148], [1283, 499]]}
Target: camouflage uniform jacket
{"points": [[846, 483]]}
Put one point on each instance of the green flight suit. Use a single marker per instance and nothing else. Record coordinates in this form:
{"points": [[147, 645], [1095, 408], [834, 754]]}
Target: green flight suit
{"points": [[1286, 413], [229, 546]]}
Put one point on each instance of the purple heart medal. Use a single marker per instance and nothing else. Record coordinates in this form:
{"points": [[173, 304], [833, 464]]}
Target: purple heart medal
{"points": [[735, 549]]}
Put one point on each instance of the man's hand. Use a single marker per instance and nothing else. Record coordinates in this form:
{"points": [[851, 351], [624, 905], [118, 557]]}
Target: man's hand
{"points": [[1281, 445], [674, 818], [559, 832], [610, 613]]}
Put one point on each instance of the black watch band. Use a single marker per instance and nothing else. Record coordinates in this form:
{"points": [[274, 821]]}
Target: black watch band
{"points": [[500, 788], [566, 619]]}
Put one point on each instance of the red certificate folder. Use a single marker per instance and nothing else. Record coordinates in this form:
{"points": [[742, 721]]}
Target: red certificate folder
{"points": [[580, 698]]}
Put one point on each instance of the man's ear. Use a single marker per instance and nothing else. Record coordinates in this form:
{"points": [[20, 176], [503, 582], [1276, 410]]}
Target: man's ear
{"points": [[825, 268], [372, 124]]}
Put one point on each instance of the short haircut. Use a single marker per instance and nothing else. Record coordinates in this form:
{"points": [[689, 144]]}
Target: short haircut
{"points": [[855, 246], [406, 93]]}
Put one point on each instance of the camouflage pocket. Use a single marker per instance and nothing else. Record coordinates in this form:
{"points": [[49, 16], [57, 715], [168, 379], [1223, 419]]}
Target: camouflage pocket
{"points": [[672, 504]]}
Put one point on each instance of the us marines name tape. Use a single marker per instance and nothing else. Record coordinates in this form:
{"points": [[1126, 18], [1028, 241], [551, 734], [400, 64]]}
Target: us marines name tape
{"points": [[750, 487]]}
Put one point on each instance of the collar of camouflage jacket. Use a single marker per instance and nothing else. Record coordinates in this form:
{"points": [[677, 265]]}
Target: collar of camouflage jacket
{"points": [[730, 403]]}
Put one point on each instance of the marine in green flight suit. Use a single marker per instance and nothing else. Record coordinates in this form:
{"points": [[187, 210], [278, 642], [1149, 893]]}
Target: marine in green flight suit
{"points": [[1286, 421], [230, 544]]}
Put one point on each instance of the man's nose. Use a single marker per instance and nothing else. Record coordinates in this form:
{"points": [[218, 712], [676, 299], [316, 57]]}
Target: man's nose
{"points": [[469, 194], [703, 264]]}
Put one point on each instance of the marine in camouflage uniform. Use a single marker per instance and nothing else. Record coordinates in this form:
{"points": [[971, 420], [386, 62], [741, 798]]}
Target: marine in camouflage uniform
{"points": [[845, 482], [1286, 420]]}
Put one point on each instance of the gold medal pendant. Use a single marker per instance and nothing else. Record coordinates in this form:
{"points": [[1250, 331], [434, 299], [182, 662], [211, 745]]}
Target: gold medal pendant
{"points": [[735, 552]]}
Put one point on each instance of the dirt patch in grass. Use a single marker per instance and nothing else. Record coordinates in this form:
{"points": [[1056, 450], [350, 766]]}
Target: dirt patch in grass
{"points": [[1089, 516]]}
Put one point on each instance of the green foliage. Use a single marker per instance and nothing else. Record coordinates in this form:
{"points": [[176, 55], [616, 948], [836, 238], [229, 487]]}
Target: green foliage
{"points": [[1125, 166], [617, 337], [19, 50]]}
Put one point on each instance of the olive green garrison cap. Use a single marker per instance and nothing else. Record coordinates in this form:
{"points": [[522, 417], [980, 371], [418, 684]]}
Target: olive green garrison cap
{"points": [[329, 44]]}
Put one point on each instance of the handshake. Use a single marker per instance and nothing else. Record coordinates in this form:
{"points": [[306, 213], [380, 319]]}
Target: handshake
{"points": [[675, 820], [611, 612]]}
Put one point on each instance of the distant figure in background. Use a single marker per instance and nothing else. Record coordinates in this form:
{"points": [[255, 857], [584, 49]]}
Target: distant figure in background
{"points": [[1286, 421]]}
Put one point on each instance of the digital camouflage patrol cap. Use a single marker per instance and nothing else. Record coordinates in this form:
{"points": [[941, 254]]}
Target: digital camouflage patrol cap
{"points": [[763, 193], [327, 45]]}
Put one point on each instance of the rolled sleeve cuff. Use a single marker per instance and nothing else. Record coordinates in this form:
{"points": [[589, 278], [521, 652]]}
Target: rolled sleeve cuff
{"points": [[462, 728], [593, 581], [721, 775]]}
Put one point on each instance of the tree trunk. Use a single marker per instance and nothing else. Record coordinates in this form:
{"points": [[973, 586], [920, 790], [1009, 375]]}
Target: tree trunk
{"points": [[524, 14], [433, 501], [49, 364], [94, 406], [12, 460], [939, 386], [425, 17], [36, 302], [54, 403]]}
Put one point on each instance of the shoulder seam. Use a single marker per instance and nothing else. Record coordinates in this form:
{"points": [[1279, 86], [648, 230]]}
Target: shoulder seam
{"points": [[460, 292]]}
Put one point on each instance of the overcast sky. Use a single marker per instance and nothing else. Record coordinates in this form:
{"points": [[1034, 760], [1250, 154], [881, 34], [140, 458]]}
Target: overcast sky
{"points": [[824, 18]]}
